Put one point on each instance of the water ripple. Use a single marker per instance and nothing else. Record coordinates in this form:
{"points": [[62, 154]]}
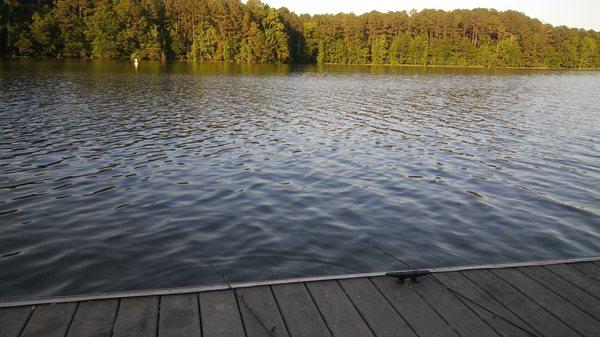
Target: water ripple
{"points": [[125, 179]]}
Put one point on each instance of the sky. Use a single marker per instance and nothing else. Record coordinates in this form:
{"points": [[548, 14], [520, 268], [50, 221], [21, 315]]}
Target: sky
{"points": [[571, 13]]}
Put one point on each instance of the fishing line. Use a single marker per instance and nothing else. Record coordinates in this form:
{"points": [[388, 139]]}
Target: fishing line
{"points": [[241, 299], [371, 244], [437, 281]]}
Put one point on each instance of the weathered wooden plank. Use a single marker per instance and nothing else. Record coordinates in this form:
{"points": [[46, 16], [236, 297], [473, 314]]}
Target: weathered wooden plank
{"points": [[564, 289], [417, 313], [470, 290], [565, 311], [576, 278], [137, 317], [262, 303], [12, 320], [375, 309], [549, 300], [220, 314], [535, 316], [337, 310], [454, 312], [179, 316], [299, 311], [237, 285], [588, 268], [50, 320], [94, 319]]}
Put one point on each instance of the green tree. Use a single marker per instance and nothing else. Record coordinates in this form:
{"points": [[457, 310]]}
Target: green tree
{"points": [[486, 56], [551, 57], [150, 46], [102, 29], [311, 43], [321, 56], [276, 44], [256, 40], [418, 50], [70, 16], [589, 53], [508, 53], [178, 43], [569, 51], [379, 50], [225, 51], [245, 54], [231, 30], [204, 46], [399, 49], [533, 50], [339, 52], [45, 34]]}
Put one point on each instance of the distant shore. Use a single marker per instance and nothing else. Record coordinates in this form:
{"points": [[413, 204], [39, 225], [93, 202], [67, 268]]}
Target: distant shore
{"points": [[18, 57]]}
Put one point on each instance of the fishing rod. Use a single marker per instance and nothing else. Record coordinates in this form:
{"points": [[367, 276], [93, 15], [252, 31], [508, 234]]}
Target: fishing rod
{"points": [[414, 273], [241, 299]]}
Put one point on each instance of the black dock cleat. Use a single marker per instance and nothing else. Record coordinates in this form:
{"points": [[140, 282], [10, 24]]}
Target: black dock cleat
{"points": [[411, 274]]}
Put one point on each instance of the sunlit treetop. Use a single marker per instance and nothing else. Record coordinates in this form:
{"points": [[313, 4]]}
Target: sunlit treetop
{"points": [[252, 32]]}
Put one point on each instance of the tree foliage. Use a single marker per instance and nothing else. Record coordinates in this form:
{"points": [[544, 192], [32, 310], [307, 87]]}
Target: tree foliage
{"points": [[232, 31]]}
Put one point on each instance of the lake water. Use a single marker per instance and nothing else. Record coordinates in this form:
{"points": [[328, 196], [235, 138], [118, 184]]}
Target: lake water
{"points": [[114, 178]]}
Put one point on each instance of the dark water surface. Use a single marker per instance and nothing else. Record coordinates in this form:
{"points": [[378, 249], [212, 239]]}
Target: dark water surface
{"points": [[117, 179]]}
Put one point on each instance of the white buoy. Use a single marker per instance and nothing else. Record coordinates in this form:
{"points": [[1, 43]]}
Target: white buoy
{"points": [[135, 62]]}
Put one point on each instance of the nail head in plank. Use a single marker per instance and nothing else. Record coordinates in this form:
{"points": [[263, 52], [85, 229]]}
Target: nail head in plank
{"points": [[220, 314], [454, 312], [465, 287], [94, 319], [566, 290], [262, 303], [137, 317], [413, 309], [512, 299], [299, 311], [565, 311], [337, 310], [576, 278], [375, 309], [12, 320], [50, 320], [179, 316]]}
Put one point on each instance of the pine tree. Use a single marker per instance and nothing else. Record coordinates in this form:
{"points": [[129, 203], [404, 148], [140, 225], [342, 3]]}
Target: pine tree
{"points": [[204, 46], [379, 50], [230, 30]]}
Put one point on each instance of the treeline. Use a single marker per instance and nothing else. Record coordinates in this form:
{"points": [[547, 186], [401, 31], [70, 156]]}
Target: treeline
{"points": [[231, 31]]}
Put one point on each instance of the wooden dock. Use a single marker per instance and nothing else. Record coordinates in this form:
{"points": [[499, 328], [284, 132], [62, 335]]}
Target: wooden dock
{"points": [[551, 298]]}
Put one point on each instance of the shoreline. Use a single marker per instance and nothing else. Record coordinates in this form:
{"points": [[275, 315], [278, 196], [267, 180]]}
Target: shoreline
{"points": [[87, 59], [271, 282], [557, 298]]}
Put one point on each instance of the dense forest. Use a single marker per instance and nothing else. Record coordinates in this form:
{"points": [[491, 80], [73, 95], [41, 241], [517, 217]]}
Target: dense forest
{"points": [[233, 31]]}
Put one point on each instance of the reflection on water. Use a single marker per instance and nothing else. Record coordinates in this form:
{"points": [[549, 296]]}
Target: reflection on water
{"points": [[114, 178]]}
